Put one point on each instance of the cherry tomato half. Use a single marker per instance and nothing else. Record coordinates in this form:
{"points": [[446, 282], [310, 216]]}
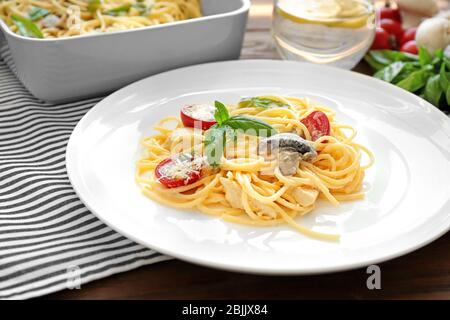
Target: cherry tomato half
{"points": [[410, 47], [317, 124], [381, 40], [179, 170], [198, 116], [392, 27], [408, 35]]}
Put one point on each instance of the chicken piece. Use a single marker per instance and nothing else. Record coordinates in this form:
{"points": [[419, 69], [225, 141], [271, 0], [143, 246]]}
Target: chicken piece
{"points": [[233, 193], [305, 197], [263, 209]]}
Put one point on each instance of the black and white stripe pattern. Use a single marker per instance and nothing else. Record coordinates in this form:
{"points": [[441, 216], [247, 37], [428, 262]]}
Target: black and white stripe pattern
{"points": [[47, 236]]}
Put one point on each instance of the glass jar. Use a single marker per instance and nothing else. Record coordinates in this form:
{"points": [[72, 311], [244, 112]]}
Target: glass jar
{"points": [[333, 32]]}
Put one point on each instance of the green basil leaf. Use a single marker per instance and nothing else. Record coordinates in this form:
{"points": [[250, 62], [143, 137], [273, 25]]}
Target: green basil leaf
{"points": [[217, 136], [439, 53], [373, 63], [390, 72], [408, 68], [250, 126], [444, 78], [257, 102], [400, 56], [221, 114], [415, 80], [447, 62], [215, 144], [424, 56], [119, 10], [433, 90], [381, 57], [26, 27], [447, 95], [93, 5], [36, 13], [141, 8]]}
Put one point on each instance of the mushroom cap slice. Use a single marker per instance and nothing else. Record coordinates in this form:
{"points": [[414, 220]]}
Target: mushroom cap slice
{"points": [[289, 149], [287, 142]]}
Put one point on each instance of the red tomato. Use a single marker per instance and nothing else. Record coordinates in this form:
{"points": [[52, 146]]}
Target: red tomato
{"points": [[389, 13], [317, 124], [392, 27], [409, 35], [381, 40], [179, 170], [198, 116], [410, 47]]}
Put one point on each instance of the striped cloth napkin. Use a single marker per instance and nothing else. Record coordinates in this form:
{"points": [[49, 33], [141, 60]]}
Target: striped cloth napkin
{"points": [[49, 241]]}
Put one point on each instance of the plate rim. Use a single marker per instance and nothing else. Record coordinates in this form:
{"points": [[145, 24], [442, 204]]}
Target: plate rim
{"points": [[233, 267]]}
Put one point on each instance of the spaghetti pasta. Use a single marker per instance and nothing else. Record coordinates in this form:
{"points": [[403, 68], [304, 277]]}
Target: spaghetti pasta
{"points": [[67, 18], [251, 189]]}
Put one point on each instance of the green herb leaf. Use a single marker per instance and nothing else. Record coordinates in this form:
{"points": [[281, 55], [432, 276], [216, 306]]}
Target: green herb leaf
{"points": [[257, 102], [433, 90], [26, 27], [36, 13], [141, 8], [250, 126], [118, 10], [408, 68], [424, 56], [444, 78], [386, 57], [93, 5], [439, 53], [221, 114], [227, 128], [400, 56], [447, 62], [427, 75], [373, 63], [381, 57], [415, 80], [378, 59], [447, 96], [214, 142], [390, 72]]}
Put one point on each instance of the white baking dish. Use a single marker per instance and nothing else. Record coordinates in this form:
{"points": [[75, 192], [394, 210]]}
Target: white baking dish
{"points": [[74, 68]]}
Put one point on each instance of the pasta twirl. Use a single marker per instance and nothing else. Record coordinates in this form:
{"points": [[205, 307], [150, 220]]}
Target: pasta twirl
{"points": [[251, 189], [66, 18]]}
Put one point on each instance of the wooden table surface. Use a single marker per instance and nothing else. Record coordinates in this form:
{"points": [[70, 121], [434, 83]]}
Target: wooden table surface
{"points": [[423, 274]]}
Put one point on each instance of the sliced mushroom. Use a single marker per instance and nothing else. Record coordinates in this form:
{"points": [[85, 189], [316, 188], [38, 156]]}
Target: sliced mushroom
{"points": [[289, 148]]}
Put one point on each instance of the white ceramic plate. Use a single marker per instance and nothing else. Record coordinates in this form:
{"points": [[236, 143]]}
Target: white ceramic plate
{"points": [[408, 189]]}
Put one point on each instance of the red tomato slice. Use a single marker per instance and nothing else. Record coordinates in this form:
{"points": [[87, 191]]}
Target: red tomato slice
{"points": [[198, 116], [179, 170], [317, 124]]}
